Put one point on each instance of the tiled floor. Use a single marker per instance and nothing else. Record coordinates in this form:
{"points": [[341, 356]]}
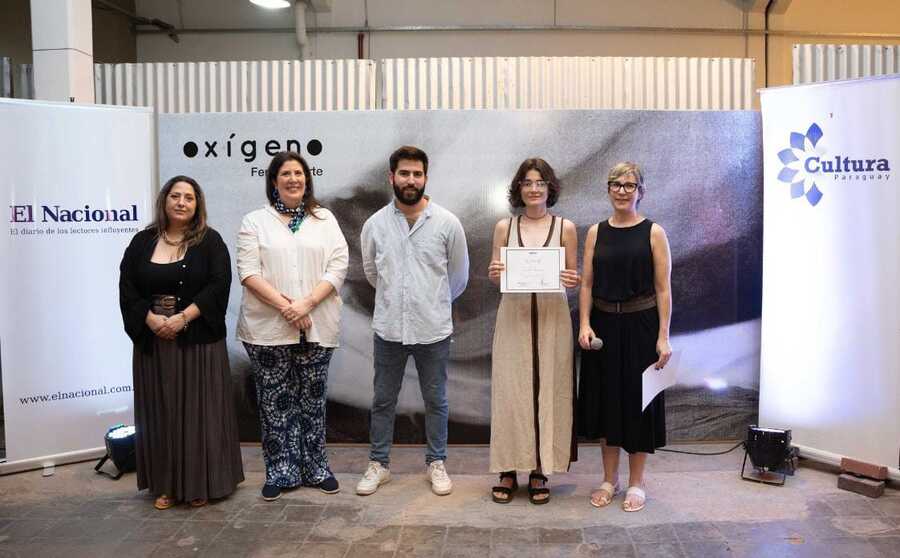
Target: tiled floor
{"points": [[697, 506]]}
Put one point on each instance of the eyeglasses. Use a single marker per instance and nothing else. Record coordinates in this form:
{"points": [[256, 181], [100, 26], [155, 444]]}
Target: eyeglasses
{"points": [[539, 184], [627, 187]]}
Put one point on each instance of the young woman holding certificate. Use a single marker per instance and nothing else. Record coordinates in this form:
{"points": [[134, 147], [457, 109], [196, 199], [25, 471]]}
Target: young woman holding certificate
{"points": [[532, 376], [625, 300]]}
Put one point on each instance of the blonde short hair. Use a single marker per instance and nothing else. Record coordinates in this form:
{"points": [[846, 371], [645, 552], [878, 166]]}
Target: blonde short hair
{"points": [[627, 167]]}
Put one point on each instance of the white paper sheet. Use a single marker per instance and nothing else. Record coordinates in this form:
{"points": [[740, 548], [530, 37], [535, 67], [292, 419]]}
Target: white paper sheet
{"points": [[654, 381], [532, 270]]}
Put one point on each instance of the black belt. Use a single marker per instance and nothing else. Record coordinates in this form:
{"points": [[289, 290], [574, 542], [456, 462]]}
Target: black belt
{"points": [[633, 305]]}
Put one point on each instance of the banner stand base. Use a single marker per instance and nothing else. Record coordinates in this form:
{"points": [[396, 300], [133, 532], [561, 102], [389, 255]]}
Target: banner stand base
{"points": [[51, 460], [829, 458]]}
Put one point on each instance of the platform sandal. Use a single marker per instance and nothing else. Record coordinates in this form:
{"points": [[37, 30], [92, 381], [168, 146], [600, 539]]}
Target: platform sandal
{"points": [[535, 494], [504, 494]]}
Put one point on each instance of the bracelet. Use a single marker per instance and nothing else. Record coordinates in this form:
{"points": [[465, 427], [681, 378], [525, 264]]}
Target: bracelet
{"points": [[186, 322]]}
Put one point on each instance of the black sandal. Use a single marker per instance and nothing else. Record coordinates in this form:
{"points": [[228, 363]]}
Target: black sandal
{"points": [[507, 493], [532, 492]]}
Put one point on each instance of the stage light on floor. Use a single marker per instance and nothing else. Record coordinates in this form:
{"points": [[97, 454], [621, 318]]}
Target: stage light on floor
{"points": [[119, 441], [770, 453]]}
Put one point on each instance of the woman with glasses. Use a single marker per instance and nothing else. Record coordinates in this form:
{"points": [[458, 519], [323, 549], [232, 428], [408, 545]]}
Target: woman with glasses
{"points": [[532, 380], [626, 301]]}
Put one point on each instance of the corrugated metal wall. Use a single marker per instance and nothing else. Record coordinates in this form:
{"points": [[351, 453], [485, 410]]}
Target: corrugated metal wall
{"points": [[23, 81], [16, 80], [259, 86], [6, 70], [667, 83], [568, 83], [815, 63]]}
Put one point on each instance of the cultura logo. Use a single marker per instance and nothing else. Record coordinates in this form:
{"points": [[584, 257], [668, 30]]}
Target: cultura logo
{"points": [[806, 160]]}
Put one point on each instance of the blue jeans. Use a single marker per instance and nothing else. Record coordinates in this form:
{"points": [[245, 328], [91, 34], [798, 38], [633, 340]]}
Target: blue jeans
{"points": [[390, 363]]}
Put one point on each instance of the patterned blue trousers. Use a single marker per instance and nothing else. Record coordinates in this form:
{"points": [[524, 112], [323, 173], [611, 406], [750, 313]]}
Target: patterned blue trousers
{"points": [[291, 382]]}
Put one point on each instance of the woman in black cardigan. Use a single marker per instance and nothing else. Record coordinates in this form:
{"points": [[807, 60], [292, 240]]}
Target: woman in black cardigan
{"points": [[173, 291]]}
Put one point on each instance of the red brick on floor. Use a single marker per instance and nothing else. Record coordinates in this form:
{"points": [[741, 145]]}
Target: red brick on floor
{"points": [[861, 485]]}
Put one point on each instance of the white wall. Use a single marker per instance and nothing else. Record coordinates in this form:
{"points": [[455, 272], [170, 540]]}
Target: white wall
{"points": [[15, 31], [405, 13], [280, 43], [113, 38], [815, 17]]}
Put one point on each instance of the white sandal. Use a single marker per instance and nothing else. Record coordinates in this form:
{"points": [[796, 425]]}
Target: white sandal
{"points": [[607, 488], [638, 493]]}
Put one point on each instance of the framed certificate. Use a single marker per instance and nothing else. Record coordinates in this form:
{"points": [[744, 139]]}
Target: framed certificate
{"points": [[532, 270]]}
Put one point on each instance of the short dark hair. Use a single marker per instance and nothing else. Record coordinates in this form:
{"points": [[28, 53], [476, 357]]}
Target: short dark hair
{"points": [[410, 153], [309, 198], [547, 174]]}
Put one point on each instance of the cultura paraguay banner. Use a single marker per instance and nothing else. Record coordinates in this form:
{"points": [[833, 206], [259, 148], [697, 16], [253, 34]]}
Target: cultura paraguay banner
{"points": [[830, 361]]}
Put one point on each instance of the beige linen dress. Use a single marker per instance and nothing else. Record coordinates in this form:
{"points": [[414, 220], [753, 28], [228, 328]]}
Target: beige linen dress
{"points": [[532, 377]]}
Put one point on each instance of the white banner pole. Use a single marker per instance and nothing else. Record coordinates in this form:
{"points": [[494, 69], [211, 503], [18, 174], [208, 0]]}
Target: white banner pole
{"points": [[77, 182], [829, 362]]}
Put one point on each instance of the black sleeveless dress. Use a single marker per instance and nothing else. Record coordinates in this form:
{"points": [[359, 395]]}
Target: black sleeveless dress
{"points": [[609, 394]]}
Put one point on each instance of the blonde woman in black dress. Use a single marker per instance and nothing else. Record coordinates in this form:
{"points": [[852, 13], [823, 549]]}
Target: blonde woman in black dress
{"points": [[625, 300]]}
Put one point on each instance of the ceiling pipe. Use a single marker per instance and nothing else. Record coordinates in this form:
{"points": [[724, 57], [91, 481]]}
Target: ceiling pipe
{"points": [[300, 22], [163, 27], [766, 40], [521, 28]]}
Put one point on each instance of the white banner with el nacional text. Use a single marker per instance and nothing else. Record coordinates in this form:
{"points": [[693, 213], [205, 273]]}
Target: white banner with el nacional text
{"points": [[830, 360], [77, 183]]}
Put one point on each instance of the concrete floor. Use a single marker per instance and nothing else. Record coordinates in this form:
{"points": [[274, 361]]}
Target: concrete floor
{"points": [[697, 507]]}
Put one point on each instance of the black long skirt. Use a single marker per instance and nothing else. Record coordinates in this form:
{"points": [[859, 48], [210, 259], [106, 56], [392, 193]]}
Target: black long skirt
{"points": [[187, 435], [609, 392]]}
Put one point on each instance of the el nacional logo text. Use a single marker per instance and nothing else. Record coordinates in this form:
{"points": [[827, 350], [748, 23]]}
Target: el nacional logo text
{"points": [[807, 164], [34, 219]]}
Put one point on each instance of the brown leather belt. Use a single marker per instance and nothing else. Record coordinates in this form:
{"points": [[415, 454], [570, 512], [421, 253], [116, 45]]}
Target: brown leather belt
{"points": [[633, 305], [163, 305]]}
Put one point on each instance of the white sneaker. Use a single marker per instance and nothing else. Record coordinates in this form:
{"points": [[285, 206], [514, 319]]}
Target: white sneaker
{"points": [[375, 476], [440, 481]]}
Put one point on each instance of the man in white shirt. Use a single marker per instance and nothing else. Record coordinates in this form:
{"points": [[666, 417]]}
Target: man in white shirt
{"points": [[414, 253]]}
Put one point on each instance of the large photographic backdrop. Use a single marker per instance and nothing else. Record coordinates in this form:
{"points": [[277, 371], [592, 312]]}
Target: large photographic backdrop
{"points": [[703, 172]]}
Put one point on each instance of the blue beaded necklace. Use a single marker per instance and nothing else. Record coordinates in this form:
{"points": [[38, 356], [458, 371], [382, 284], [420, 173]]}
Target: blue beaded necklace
{"points": [[297, 213]]}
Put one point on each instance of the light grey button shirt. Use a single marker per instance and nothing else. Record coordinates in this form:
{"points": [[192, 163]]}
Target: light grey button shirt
{"points": [[417, 272]]}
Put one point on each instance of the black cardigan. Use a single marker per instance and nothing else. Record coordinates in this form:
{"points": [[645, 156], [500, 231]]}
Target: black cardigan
{"points": [[206, 276]]}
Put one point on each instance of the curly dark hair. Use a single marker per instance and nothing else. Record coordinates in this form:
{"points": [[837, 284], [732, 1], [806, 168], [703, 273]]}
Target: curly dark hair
{"points": [[545, 170]]}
